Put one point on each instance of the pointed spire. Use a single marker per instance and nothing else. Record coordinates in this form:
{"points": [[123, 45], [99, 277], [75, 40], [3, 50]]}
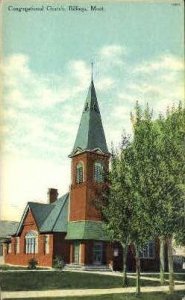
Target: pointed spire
{"points": [[91, 102], [92, 65], [90, 135]]}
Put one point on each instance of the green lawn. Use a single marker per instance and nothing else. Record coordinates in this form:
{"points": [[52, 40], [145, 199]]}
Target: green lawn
{"points": [[6, 267], [43, 280], [148, 296]]}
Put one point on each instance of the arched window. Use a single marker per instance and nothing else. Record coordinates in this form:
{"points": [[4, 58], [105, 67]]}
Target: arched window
{"points": [[79, 173], [31, 242], [98, 172]]}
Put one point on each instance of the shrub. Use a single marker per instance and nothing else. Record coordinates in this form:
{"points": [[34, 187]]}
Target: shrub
{"points": [[32, 264], [58, 263]]}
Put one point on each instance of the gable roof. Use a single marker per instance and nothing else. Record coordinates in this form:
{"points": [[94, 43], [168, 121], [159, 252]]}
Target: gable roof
{"points": [[48, 217], [40, 212], [7, 228], [56, 221], [90, 135]]}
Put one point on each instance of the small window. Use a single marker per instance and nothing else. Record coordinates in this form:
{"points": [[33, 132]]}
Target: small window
{"points": [[46, 244], [79, 173], [98, 172], [148, 251], [31, 240]]}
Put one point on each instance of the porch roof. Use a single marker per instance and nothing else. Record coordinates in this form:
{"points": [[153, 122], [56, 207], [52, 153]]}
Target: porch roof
{"points": [[87, 230]]}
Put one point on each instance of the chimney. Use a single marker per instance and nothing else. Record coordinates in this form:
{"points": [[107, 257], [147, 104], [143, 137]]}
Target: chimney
{"points": [[52, 195]]}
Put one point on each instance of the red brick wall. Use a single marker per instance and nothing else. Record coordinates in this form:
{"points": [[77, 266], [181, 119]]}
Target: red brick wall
{"points": [[22, 258], [82, 205], [61, 247]]}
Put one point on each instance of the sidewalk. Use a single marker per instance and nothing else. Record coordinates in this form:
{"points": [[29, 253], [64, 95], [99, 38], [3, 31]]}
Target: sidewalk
{"points": [[86, 292]]}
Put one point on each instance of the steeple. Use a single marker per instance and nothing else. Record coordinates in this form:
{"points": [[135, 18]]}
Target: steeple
{"points": [[92, 71], [90, 135]]}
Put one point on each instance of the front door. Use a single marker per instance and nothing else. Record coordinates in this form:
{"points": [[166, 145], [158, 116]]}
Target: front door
{"points": [[97, 253], [76, 252]]}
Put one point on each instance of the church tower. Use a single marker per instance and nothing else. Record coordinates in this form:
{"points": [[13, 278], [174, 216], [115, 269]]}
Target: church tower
{"points": [[89, 164], [90, 158]]}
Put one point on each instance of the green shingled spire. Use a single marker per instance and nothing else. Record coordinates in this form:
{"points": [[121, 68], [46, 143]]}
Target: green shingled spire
{"points": [[90, 134]]}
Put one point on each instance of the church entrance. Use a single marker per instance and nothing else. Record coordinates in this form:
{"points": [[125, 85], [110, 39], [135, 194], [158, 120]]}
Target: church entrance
{"points": [[76, 252], [97, 253]]}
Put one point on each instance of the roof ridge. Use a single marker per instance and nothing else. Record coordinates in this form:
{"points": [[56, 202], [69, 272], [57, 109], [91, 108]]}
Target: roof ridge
{"points": [[55, 205], [65, 195]]}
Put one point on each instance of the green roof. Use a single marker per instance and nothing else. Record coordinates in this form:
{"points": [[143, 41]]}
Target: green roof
{"points": [[40, 212], [49, 217], [90, 135], [87, 230], [57, 219]]}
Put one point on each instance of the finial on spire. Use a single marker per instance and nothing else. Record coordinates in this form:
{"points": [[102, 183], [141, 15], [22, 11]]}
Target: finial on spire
{"points": [[92, 65]]}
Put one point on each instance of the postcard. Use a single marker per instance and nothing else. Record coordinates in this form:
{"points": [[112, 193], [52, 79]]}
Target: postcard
{"points": [[71, 74]]}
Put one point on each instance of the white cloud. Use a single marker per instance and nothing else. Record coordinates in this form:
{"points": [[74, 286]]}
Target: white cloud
{"points": [[158, 82], [41, 113], [15, 97], [24, 88], [146, 89], [105, 83], [29, 100], [111, 55], [163, 63], [81, 72], [14, 65], [121, 112], [112, 51]]}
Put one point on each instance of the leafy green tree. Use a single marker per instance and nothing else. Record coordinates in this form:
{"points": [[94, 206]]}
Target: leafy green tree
{"points": [[172, 172], [162, 144], [127, 203], [147, 176], [142, 166], [116, 203]]}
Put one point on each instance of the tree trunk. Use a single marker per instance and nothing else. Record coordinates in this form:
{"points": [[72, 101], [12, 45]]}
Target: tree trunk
{"points": [[170, 266], [125, 279], [162, 242], [138, 286]]}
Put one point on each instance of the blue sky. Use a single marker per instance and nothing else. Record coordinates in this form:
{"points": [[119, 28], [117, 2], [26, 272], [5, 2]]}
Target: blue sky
{"points": [[137, 49]]}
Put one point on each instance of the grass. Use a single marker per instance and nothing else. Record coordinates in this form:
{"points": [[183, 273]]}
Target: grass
{"points": [[39, 280], [8, 267], [147, 296]]}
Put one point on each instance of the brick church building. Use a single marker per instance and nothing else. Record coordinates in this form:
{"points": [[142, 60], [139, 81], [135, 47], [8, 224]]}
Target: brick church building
{"points": [[70, 226]]}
